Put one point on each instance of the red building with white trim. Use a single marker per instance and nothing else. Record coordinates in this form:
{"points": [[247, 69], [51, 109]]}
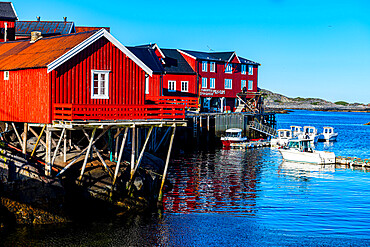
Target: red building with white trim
{"points": [[221, 76]]}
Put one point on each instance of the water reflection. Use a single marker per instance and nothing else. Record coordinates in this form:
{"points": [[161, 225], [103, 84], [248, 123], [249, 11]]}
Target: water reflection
{"points": [[306, 170], [222, 182]]}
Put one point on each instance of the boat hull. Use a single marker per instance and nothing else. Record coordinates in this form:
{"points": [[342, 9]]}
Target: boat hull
{"points": [[315, 157]]}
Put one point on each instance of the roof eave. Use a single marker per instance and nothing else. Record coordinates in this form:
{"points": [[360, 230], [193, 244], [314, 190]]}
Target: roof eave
{"points": [[101, 33]]}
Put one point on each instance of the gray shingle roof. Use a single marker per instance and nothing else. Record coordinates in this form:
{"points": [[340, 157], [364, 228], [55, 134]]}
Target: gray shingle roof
{"points": [[175, 63], [7, 11], [149, 58]]}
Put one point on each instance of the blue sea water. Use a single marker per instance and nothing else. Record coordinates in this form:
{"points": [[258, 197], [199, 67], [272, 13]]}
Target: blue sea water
{"points": [[244, 198]]}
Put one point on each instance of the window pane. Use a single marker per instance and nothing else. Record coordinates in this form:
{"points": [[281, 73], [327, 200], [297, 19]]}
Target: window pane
{"points": [[96, 83], [96, 91], [96, 77], [102, 77]]}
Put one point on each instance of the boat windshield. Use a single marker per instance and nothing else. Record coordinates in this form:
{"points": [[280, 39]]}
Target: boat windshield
{"points": [[233, 134], [293, 144], [305, 145]]}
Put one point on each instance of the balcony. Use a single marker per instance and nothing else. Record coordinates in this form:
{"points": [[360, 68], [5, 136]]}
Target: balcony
{"points": [[187, 102], [82, 112]]}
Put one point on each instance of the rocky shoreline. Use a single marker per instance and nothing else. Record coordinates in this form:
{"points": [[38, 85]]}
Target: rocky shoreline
{"points": [[281, 104]]}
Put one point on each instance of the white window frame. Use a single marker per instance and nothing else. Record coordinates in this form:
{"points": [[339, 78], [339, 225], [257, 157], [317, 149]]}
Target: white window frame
{"points": [[184, 86], [171, 86], [243, 83], [212, 82], [250, 85], [228, 84], [229, 68], [204, 82], [99, 95], [204, 66], [212, 67], [250, 69], [244, 69], [146, 84], [6, 75]]}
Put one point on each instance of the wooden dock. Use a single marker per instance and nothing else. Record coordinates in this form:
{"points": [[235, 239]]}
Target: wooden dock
{"points": [[352, 161]]}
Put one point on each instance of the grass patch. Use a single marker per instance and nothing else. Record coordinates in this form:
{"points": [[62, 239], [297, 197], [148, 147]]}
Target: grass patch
{"points": [[341, 103]]}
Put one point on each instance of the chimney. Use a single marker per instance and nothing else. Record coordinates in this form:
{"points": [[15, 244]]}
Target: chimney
{"points": [[35, 35], [38, 18], [65, 19]]}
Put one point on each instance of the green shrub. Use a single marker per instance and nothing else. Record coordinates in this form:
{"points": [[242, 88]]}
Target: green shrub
{"points": [[278, 101], [341, 103]]}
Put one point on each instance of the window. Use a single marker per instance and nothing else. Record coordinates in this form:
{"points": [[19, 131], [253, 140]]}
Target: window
{"points": [[146, 84], [212, 67], [204, 82], [184, 86], [250, 85], [228, 68], [250, 69], [212, 82], [6, 75], [228, 83], [171, 86], [100, 84], [204, 66], [243, 84], [244, 69]]}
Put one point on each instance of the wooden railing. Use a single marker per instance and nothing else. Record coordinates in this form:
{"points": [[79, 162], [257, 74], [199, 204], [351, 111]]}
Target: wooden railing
{"points": [[71, 112], [188, 102]]}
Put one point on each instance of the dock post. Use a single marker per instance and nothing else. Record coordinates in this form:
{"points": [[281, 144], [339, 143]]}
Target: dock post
{"points": [[57, 148], [119, 158], [142, 152], [208, 123], [25, 132], [87, 154], [166, 165], [65, 147], [133, 150], [48, 152]]}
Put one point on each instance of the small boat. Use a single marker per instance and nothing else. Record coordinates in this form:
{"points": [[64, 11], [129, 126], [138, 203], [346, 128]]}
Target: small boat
{"points": [[328, 134], [299, 150], [309, 133], [282, 138], [296, 130], [233, 135]]}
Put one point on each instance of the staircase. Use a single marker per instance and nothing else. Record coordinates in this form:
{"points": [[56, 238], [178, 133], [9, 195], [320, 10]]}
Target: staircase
{"points": [[249, 106], [255, 125]]}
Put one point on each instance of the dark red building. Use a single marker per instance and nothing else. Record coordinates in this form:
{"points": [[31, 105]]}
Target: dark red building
{"points": [[221, 76], [82, 76]]}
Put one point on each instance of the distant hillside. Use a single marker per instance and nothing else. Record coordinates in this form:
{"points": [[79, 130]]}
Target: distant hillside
{"points": [[275, 101]]}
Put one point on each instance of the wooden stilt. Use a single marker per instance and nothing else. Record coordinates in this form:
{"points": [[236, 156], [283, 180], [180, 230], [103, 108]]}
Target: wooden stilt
{"points": [[48, 152], [119, 158], [87, 154], [116, 136], [65, 147], [17, 134], [36, 135], [99, 156], [166, 165], [38, 140], [133, 149], [24, 144], [208, 123], [142, 152], [57, 147], [81, 153]]}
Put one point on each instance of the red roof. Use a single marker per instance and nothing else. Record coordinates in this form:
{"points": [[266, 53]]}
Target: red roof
{"points": [[23, 54]]}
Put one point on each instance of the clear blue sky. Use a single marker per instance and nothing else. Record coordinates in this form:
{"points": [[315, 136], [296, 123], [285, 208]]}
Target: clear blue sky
{"points": [[313, 48]]}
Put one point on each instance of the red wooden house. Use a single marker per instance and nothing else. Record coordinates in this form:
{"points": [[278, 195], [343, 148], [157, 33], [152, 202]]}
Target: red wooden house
{"points": [[82, 76], [221, 76], [8, 16], [173, 79]]}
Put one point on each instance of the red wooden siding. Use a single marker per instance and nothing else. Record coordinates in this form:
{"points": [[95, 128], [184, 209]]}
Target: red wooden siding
{"points": [[192, 85], [220, 76], [155, 85], [25, 97], [71, 82]]}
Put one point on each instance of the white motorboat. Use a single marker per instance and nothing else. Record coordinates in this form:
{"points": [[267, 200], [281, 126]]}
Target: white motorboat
{"points": [[299, 150], [309, 133], [328, 134], [296, 130], [282, 138], [233, 135]]}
